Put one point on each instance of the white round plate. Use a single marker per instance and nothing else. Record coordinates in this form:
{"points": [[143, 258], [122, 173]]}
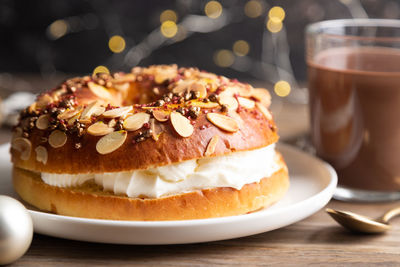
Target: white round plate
{"points": [[312, 185]]}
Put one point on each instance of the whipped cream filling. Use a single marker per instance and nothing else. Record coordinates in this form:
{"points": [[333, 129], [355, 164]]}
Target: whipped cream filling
{"points": [[234, 170]]}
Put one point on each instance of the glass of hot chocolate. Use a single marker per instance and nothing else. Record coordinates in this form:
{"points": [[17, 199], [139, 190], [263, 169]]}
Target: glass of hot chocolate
{"points": [[354, 97]]}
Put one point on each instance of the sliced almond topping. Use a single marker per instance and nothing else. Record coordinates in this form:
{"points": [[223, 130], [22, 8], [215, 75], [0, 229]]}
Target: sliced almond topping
{"points": [[69, 113], [207, 75], [73, 119], [136, 121], [23, 146], [121, 86], [246, 103], [182, 86], [164, 73], [117, 112], [129, 77], [41, 154], [211, 146], [111, 142], [160, 78], [237, 90], [93, 109], [112, 123], [43, 122], [264, 111], [199, 87], [161, 115], [262, 95], [245, 91], [44, 100], [156, 129], [57, 139], [229, 101], [223, 122], [32, 107], [181, 124], [99, 129], [202, 104], [99, 90]]}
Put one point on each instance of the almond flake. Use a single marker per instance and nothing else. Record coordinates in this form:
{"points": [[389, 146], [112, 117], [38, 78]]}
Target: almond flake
{"points": [[264, 111], [211, 146], [44, 100], [161, 115], [23, 146], [112, 123], [163, 73], [32, 107], [117, 112], [136, 121], [182, 86], [246, 103], [99, 90], [207, 75], [99, 129], [202, 104], [236, 90], [262, 95], [43, 122], [160, 78], [111, 142], [41, 154], [129, 77], [122, 86], [223, 122], [199, 87], [229, 101], [72, 120], [93, 109], [69, 113], [57, 139], [181, 124], [156, 129]]}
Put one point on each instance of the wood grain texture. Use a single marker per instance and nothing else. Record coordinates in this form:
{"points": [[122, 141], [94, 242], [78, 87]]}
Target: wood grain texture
{"points": [[316, 241]]}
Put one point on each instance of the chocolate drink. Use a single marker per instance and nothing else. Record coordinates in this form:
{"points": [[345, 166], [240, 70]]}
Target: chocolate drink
{"points": [[355, 114]]}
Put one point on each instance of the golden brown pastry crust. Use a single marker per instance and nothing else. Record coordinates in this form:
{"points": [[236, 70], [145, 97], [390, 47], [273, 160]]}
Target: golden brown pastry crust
{"points": [[150, 117], [142, 150], [208, 203]]}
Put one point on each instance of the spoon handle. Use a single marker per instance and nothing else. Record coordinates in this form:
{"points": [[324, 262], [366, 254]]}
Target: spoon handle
{"points": [[390, 214]]}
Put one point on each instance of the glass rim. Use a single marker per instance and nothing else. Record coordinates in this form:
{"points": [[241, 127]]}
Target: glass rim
{"points": [[335, 23], [318, 28]]}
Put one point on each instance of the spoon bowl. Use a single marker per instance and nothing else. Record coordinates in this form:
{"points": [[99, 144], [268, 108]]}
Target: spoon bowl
{"points": [[358, 223]]}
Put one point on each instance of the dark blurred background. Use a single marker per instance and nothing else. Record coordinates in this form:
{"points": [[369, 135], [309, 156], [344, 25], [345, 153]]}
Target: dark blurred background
{"points": [[256, 39]]}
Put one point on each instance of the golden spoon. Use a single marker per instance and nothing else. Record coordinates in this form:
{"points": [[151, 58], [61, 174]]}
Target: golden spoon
{"points": [[361, 224]]}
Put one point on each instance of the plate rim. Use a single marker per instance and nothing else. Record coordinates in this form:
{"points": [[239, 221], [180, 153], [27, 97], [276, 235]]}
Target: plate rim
{"points": [[328, 189]]}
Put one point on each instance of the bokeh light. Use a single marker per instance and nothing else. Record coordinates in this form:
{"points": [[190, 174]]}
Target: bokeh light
{"points": [[253, 9], [57, 29], [277, 13], [169, 29], [213, 9], [168, 15], [224, 58], [101, 69], [117, 44], [282, 88], [274, 25], [241, 48]]}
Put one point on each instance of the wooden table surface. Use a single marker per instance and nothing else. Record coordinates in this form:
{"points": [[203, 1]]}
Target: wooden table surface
{"points": [[315, 241]]}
